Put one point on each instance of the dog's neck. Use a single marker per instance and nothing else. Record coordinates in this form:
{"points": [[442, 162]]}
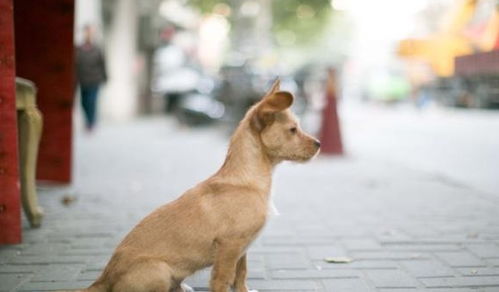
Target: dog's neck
{"points": [[246, 162]]}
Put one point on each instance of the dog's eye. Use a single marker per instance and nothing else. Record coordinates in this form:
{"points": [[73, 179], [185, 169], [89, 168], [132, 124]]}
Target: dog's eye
{"points": [[293, 130]]}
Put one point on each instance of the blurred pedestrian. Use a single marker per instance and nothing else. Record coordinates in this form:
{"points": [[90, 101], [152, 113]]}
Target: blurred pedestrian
{"points": [[90, 73]]}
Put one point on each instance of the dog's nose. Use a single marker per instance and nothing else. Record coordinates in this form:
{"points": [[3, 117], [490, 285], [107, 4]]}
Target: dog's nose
{"points": [[317, 143]]}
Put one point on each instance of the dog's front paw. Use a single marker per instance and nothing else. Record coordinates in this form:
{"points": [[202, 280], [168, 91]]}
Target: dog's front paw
{"points": [[186, 288]]}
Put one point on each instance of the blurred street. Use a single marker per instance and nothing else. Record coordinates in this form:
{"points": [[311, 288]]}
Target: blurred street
{"points": [[413, 207], [456, 145]]}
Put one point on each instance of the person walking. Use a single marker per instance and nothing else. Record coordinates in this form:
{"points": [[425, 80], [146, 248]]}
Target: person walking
{"points": [[90, 73]]}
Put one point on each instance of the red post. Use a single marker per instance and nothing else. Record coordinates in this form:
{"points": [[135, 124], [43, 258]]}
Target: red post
{"points": [[10, 208], [330, 135], [44, 52]]}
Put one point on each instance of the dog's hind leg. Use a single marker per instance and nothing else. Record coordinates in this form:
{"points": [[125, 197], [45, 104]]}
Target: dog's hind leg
{"points": [[147, 276]]}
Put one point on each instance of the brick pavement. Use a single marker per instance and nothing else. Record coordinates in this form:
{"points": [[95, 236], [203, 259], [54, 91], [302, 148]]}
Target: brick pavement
{"points": [[404, 230]]}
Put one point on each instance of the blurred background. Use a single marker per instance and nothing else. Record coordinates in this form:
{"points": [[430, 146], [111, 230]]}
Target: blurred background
{"points": [[161, 53], [416, 80]]}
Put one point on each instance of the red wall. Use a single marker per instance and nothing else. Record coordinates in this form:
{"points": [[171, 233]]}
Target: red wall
{"points": [[10, 217], [44, 54]]}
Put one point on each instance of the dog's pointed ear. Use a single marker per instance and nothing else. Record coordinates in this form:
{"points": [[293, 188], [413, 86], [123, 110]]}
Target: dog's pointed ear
{"points": [[276, 102], [270, 105]]}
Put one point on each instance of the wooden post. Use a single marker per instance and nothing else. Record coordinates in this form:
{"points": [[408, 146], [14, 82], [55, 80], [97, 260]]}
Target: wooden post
{"points": [[44, 55], [10, 209]]}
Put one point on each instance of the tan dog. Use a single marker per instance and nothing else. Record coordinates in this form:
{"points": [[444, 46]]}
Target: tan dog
{"points": [[214, 222]]}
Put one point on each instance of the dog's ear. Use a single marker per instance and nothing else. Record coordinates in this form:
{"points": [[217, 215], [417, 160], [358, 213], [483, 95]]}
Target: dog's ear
{"points": [[276, 102], [270, 105]]}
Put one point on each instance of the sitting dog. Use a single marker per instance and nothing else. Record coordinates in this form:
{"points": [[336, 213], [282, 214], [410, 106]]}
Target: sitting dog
{"points": [[213, 223]]}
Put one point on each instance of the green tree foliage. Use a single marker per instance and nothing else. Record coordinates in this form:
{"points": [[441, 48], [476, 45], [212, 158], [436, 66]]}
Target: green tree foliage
{"points": [[301, 20], [295, 22]]}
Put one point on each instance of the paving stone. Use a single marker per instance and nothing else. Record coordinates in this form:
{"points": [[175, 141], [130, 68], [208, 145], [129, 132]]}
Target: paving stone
{"points": [[7, 269], [316, 252], [484, 250], [397, 290], [479, 271], [88, 275], [7, 254], [392, 255], [289, 261], [44, 248], [283, 285], [315, 274], [391, 279], [57, 273], [492, 262], [48, 259], [427, 268], [51, 286], [11, 281], [347, 285], [485, 281], [422, 247], [460, 259], [361, 244], [359, 264]]}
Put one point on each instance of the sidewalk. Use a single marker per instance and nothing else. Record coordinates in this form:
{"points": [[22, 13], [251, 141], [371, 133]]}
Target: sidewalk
{"points": [[405, 230]]}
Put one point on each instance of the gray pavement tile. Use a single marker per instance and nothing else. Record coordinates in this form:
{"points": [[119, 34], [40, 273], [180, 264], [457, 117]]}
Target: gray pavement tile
{"points": [[44, 259], [258, 250], [391, 279], [359, 264], [427, 268], [451, 282], [389, 255], [460, 259], [489, 250], [455, 290], [492, 262], [44, 248], [319, 252], [478, 271], [51, 286], [315, 274], [361, 244], [397, 290], [11, 281], [347, 285], [57, 273], [300, 241], [6, 269], [7, 254], [423, 247], [287, 261], [88, 275], [283, 285]]}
